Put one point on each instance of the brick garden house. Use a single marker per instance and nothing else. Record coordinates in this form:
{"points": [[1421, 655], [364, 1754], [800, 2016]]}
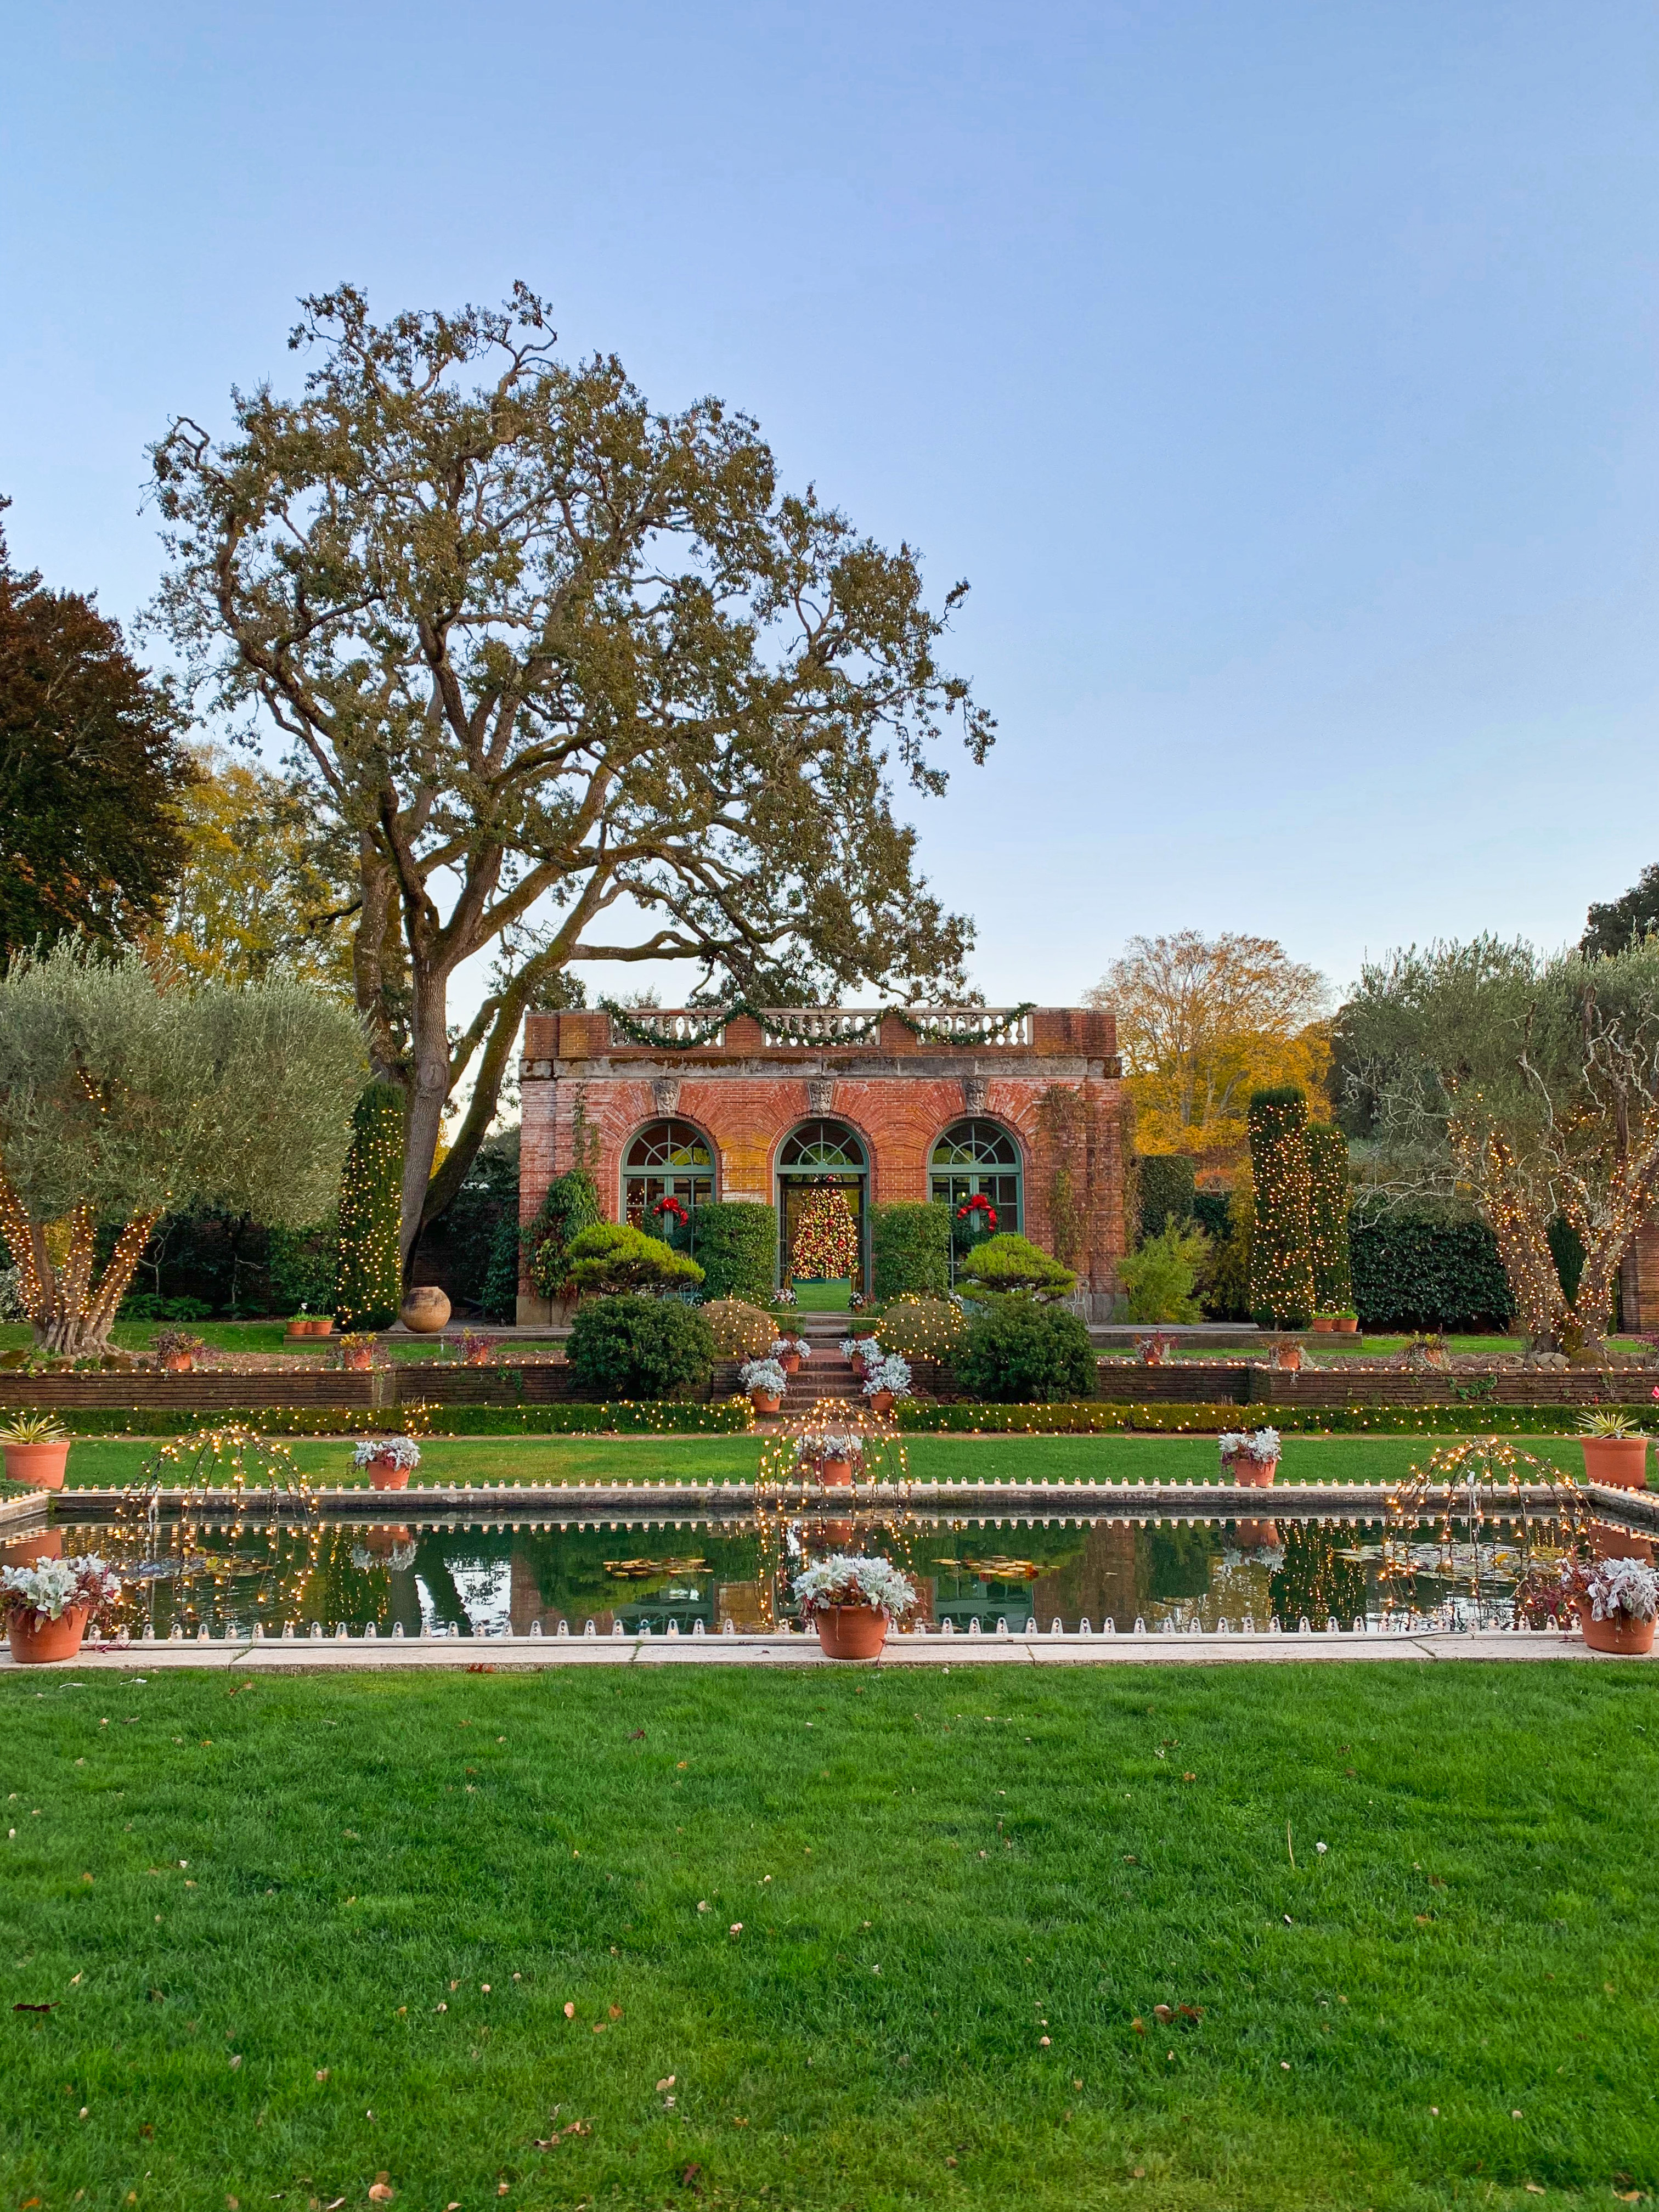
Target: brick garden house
{"points": [[1024, 1105]]}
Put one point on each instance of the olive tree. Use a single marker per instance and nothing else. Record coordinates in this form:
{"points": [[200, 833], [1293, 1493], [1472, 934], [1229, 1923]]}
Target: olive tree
{"points": [[122, 1100], [1527, 1085], [579, 679]]}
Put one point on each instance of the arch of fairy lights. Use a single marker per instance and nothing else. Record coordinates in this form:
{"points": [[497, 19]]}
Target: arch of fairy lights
{"points": [[1482, 1482], [799, 1517]]}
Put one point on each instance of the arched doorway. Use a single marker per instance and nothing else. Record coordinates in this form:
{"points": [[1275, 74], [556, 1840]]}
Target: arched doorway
{"points": [[821, 1154], [978, 1158], [668, 1159]]}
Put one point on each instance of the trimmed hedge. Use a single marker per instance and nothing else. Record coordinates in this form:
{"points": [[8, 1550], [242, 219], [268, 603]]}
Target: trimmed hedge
{"points": [[910, 1250], [1281, 1249], [635, 1347], [1168, 1190], [368, 1281], [1021, 1353], [736, 1244], [1418, 1270], [670, 1417], [1091, 1419], [1327, 1217]]}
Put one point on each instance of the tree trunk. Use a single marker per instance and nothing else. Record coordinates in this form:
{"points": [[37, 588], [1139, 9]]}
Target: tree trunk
{"points": [[71, 1317]]}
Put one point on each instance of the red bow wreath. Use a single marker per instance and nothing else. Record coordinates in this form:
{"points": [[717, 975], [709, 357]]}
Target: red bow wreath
{"points": [[672, 1206], [978, 1204]]}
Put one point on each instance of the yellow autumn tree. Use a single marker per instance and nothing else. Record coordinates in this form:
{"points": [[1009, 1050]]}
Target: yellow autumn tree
{"points": [[1201, 1023]]}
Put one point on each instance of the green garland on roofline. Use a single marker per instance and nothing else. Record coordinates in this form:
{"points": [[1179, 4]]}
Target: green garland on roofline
{"points": [[932, 1029]]}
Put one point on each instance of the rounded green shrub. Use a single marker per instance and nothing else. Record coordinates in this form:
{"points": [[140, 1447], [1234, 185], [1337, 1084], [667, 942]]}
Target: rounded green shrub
{"points": [[736, 1242], [740, 1331], [1026, 1354], [637, 1347], [922, 1328]]}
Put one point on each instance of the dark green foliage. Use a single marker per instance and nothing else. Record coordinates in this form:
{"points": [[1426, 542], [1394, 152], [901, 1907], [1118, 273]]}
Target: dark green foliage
{"points": [[1023, 1354], [1612, 927], [1281, 1250], [572, 1204], [91, 767], [1167, 1191], [1210, 1212], [498, 1294], [300, 1265], [462, 1242], [1327, 1217], [910, 1250], [735, 1242], [633, 1347], [1424, 1270], [1567, 1249], [369, 1282]]}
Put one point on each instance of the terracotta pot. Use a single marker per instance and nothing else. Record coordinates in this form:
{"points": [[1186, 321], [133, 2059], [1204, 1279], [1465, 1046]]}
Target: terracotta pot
{"points": [[882, 1402], [295, 1331], [1324, 1324], [855, 1361], [178, 1362], [484, 1358], [24, 1551], [762, 1403], [1253, 1473], [1610, 1543], [851, 1631], [1256, 1535], [1288, 1358], [1152, 1355], [357, 1358], [37, 1466], [35, 1640], [1620, 1634], [425, 1309], [320, 1325], [1346, 1324], [1621, 1462], [790, 1362], [386, 1474], [837, 1534], [836, 1474], [385, 1540]]}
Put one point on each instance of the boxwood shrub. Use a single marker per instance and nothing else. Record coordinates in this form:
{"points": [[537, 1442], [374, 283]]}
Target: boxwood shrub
{"points": [[639, 1347], [910, 1250], [1023, 1354], [736, 1244]]}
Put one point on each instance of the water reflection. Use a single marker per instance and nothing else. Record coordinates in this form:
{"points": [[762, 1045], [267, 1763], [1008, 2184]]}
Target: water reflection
{"points": [[971, 1575]]}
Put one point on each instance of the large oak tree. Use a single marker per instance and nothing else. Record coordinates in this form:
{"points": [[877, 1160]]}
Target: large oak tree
{"points": [[580, 680]]}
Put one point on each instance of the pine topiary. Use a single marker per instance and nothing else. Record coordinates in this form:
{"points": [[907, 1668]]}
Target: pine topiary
{"points": [[369, 1282], [1281, 1246], [1327, 1218]]}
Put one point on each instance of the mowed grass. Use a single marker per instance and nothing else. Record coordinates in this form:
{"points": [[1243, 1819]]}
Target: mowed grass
{"points": [[114, 1462], [625, 1939]]}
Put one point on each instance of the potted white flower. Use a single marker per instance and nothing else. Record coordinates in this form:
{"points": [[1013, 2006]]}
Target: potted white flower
{"points": [[765, 1381], [862, 1353], [833, 1456], [851, 1601], [888, 1378], [1250, 1456], [390, 1460], [789, 1352], [1618, 1601], [49, 1606], [1615, 1450], [36, 1451]]}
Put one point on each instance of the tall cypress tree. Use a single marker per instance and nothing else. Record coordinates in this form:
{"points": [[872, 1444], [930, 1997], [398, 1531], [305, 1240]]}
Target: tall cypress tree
{"points": [[368, 1287], [1327, 1218], [1281, 1247]]}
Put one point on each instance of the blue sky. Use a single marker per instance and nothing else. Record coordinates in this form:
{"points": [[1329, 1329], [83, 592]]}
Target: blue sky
{"points": [[1281, 376]]}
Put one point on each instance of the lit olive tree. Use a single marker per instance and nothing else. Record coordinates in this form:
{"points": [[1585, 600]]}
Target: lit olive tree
{"points": [[558, 663], [123, 1101], [1527, 1085]]}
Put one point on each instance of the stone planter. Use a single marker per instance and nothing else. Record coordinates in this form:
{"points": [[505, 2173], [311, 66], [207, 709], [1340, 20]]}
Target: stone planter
{"points": [[425, 1310], [1621, 1633], [855, 1631], [36, 1640], [37, 1466], [1620, 1462]]}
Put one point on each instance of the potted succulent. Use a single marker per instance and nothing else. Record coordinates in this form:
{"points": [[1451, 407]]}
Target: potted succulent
{"points": [[36, 1451], [889, 1379], [176, 1350], [851, 1601], [765, 1381], [833, 1456], [49, 1606], [1615, 1450], [789, 1352], [1617, 1601], [357, 1351], [390, 1460], [1250, 1456]]}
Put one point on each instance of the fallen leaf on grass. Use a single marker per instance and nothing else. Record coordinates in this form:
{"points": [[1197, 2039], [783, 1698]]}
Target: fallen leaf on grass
{"points": [[598, 2028], [1194, 2013], [615, 2011], [666, 2082], [1139, 2026], [1163, 2015], [689, 2176], [52, 2006], [380, 2192], [570, 2010], [480, 1666], [1534, 2189]]}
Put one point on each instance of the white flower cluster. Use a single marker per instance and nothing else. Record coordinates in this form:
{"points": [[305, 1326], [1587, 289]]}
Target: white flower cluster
{"points": [[401, 1451], [859, 1347], [1252, 1443], [1616, 1587], [51, 1585], [847, 1580], [829, 1444], [889, 1373], [763, 1375], [791, 1344]]}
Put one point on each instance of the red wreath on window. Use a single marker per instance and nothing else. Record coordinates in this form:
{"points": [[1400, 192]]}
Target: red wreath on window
{"points": [[665, 1205], [978, 1204]]}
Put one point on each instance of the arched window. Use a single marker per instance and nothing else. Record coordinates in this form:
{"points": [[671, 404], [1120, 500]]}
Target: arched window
{"points": [[667, 1159], [818, 1153], [978, 1160], [822, 1148]]}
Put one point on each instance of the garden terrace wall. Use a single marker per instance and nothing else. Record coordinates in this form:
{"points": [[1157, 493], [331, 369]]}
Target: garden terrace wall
{"points": [[1193, 1382]]}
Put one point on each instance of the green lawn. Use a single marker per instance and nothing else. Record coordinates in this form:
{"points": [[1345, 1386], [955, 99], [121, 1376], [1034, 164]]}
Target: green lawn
{"points": [[246, 1336], [932, 1459], [305, 1932]]}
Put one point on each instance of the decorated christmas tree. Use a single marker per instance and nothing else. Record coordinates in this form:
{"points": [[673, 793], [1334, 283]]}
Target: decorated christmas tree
{"points": [[826, 1246]]}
